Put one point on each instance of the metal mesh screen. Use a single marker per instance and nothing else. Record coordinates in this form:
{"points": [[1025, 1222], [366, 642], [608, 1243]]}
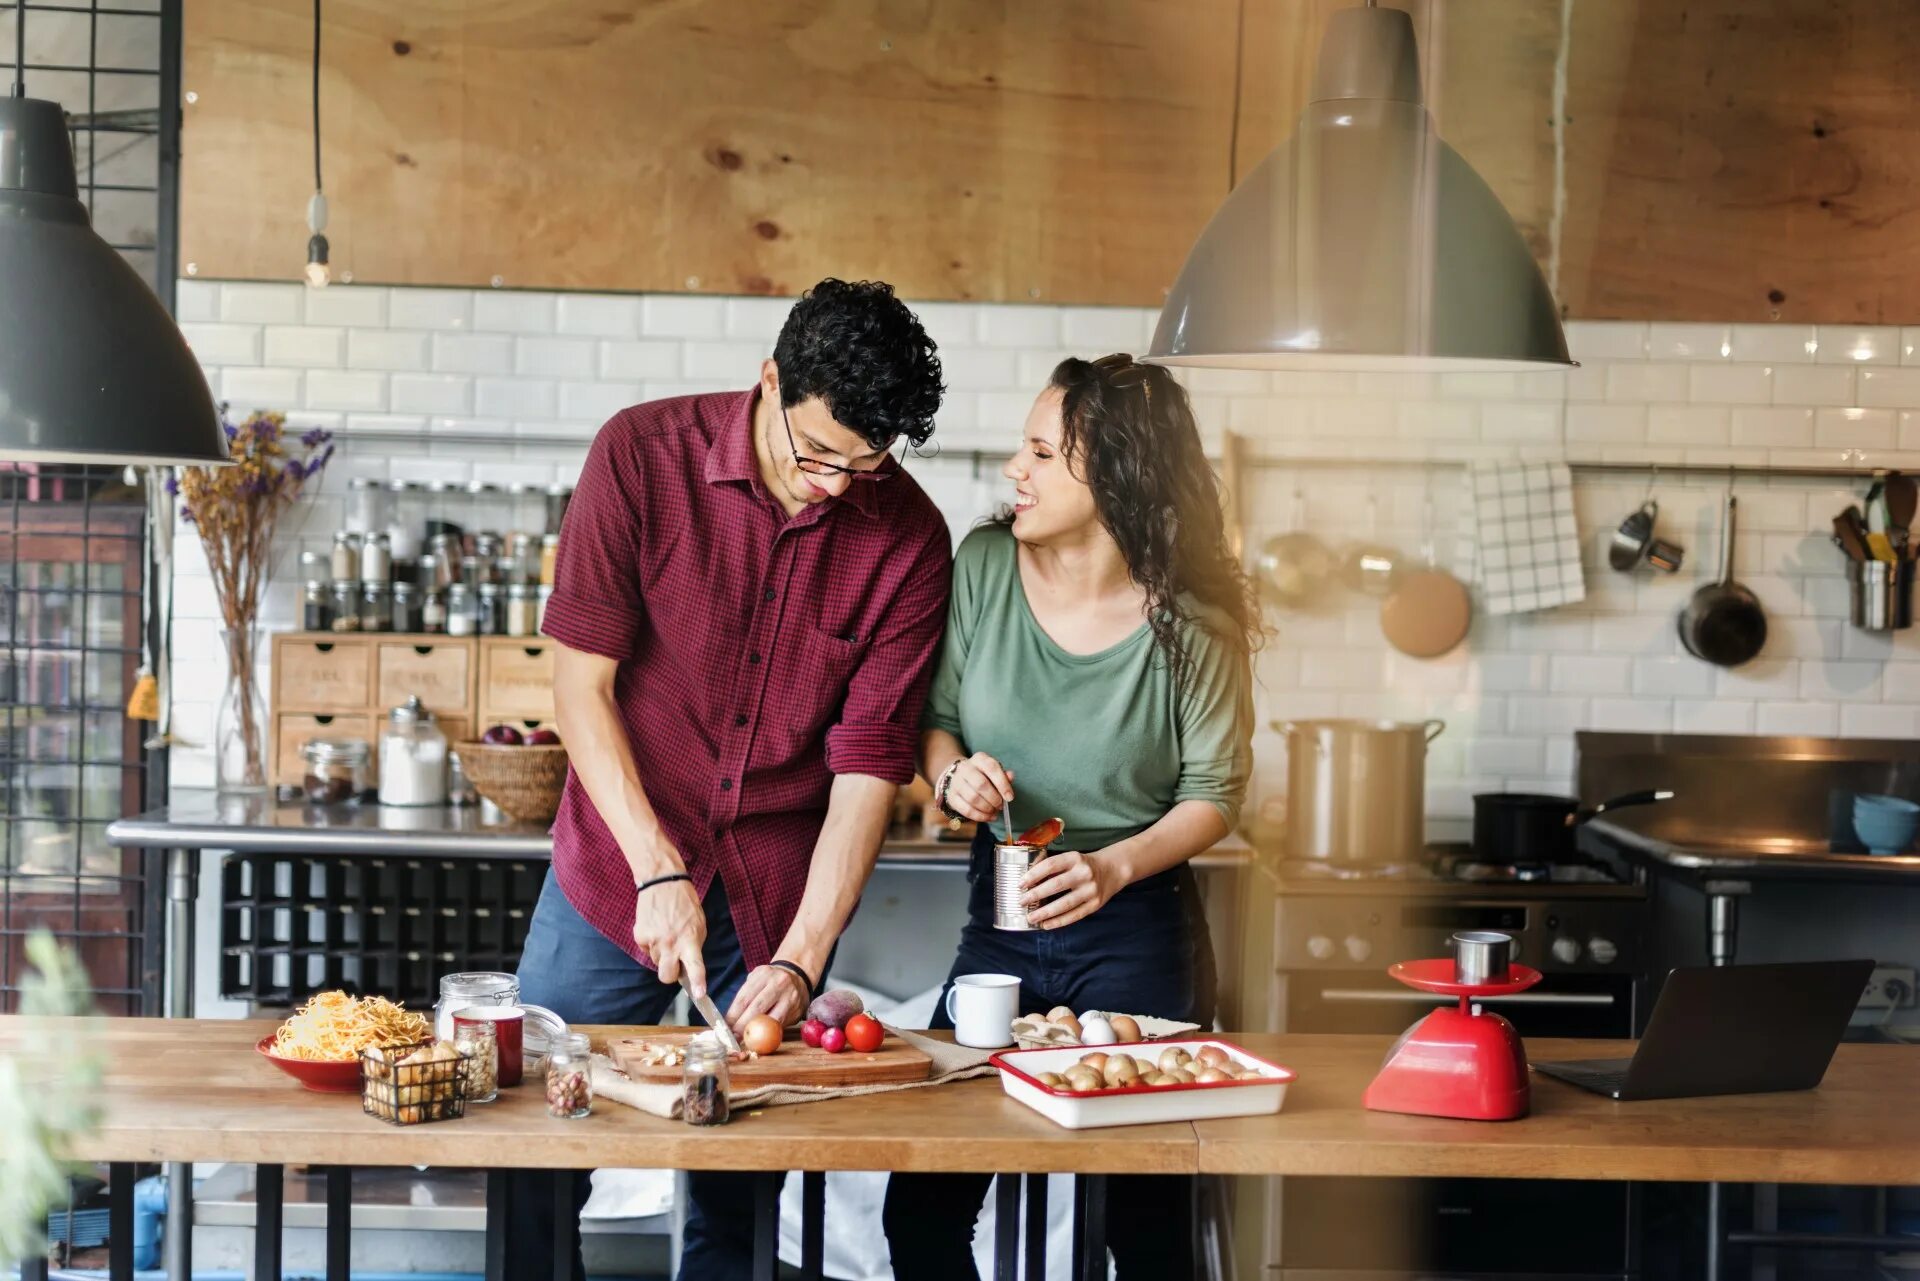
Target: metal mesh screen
{"points": [[73, 548]]}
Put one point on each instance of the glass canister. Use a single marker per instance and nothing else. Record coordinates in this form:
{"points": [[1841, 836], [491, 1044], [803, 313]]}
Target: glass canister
{"points": [[708, 1095], [490, 613], [376, 558], [433, 611], [343, 605], [478, 1043], [549, 558], [316, 606], [366, 505], [413, 757], [520, 609], [472, 987], [569, 1078], [524, 552], [338, 770], [446, 552], [403, 533], [460, 615]]}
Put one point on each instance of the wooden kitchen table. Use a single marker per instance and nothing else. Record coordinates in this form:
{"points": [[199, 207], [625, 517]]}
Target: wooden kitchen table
{"points": [[190, 1090]]}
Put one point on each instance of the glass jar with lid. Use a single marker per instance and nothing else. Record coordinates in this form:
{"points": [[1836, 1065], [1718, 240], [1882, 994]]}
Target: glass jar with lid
{"points": [[338, 770], [460, 610], [520, 609], [366, 505], [569, 1076], [406, 608], [472, 987], [345, 558], [376, 607], [316, 606], [376, 558], [490, 612], [708, 1096], [433, 611], [413, 757], [549, 558]]}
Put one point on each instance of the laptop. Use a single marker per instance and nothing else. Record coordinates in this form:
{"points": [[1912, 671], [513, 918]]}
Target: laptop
{"points": [[1736, 1029]]}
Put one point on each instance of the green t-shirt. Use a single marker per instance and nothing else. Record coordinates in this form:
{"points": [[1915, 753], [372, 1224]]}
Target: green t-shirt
{"points": [[1106, 741]]}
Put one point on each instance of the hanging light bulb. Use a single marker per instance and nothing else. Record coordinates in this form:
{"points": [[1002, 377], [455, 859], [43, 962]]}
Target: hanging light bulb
{"points": [[317, 274], [317, 242]]}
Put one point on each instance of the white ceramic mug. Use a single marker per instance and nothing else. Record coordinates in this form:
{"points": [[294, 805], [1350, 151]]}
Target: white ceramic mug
{"points": [[983, 1008]]}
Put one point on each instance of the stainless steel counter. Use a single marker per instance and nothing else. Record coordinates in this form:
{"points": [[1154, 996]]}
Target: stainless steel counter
{"points": [[1750, 858], [261, 825]]}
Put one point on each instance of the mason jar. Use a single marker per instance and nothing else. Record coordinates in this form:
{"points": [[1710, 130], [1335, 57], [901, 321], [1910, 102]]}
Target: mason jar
{"points": [[569, 1076], [707, 1096]]}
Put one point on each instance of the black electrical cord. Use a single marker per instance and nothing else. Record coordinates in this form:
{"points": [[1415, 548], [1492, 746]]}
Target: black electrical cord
{"points": [[316, 95], [20, 48]]}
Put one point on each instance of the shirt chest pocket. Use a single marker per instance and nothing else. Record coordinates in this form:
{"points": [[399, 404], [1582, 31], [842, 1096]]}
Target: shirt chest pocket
{"points": [[822, 667]]}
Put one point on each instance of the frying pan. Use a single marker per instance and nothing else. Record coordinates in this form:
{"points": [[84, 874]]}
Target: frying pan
{"points": [[1723, 624], [1524, 827]]}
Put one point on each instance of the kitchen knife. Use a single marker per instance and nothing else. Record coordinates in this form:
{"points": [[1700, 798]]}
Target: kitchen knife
{"points": [[711, 1013]]}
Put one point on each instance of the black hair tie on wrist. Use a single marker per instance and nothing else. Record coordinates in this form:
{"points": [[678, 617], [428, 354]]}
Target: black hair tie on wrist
{"points": [[662, 880], [798, 973]]}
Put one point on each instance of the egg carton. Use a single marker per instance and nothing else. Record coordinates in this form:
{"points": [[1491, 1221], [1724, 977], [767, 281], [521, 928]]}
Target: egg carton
{"points": [[1041, 1034]]}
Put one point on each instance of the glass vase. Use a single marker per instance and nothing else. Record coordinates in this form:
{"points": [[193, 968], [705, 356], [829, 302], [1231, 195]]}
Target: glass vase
{"points": [[240, 725]]}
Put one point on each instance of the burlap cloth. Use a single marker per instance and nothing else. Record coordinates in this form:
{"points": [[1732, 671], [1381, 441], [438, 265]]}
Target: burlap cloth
{"points": [[950, 1063]]}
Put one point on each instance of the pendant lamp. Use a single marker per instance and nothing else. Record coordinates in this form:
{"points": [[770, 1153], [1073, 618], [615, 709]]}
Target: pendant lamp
{"points": [[1364, 242], [92, 369]]}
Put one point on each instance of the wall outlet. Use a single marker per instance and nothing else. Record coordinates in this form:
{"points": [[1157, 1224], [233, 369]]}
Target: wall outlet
{"points": [[1891, 987]]}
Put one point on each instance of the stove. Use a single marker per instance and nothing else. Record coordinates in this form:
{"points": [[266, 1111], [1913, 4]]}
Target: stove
{"points": [[1335, 932]]}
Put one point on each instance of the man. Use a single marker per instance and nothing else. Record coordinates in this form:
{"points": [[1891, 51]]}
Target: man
{"points": [[748, 597]]}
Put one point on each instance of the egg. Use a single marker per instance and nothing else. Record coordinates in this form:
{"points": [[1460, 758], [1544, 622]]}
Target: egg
{"points": [[1126, 1027], [1059, 1014], [762, 1034], [1095, 1030]]}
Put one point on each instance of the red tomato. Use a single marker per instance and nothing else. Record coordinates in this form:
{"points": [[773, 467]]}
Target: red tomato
{"points": [[833, 1040], [811, 1031], [864, 1033]]}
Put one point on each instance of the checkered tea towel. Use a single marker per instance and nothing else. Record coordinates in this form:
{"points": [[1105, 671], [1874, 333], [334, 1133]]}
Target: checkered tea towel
{"points": [[1529, 549]]}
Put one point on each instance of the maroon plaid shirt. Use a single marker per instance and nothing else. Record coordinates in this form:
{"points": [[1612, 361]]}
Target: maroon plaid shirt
{"points": [[759, 655]]}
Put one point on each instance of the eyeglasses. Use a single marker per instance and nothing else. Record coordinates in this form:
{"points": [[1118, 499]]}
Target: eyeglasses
{"points": [[817, 467]]}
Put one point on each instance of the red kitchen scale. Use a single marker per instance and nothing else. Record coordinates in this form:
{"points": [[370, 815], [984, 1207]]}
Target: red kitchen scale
{"points": [[1460, 1062]]}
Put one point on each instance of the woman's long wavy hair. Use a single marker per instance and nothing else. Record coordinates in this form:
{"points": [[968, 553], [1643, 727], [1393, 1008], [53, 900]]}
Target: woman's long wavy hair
{"points": [[1128, 432]]}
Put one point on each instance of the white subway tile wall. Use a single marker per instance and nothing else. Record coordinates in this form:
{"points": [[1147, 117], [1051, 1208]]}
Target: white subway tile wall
{"points": [[538, 372]]}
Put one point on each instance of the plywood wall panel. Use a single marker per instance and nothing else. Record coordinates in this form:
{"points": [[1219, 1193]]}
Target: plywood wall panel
{"points": [[1004, 150]]}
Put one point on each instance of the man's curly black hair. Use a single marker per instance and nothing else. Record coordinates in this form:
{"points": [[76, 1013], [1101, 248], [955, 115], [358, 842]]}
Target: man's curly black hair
{"points": [[858, 348]]}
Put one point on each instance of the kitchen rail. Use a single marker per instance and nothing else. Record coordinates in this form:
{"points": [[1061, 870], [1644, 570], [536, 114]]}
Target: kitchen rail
{"points": [[194, 1090]]}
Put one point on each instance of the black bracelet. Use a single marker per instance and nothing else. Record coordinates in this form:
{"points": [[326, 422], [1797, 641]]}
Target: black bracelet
{"points": [[798, 973], [662, 880]]}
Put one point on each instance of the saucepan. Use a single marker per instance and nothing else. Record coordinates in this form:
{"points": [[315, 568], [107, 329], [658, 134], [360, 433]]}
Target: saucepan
{"points": [[1525, 827]]}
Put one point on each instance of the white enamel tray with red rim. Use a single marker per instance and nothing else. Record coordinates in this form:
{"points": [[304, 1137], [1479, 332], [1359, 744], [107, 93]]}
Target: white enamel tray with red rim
{"points": [[1141, 1104]]}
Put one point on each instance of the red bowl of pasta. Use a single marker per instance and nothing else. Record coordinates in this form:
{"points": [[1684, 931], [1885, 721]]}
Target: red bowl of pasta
{"points": [[320, 1045]]}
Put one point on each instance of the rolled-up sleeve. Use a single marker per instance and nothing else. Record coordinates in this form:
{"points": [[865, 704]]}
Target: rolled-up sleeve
{"points": [[1216, 726], [879, 728], [596, 605]]}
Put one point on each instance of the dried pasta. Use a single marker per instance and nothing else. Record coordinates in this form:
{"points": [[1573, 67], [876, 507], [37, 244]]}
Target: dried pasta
{"points": [[335, 1027]]}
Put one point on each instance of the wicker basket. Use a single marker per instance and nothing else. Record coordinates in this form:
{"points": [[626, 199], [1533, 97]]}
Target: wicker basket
{"points": [[524, 781]]}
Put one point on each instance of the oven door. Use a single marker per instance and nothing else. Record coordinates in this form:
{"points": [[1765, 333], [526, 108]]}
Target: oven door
{"points": [[1367, 1001]]}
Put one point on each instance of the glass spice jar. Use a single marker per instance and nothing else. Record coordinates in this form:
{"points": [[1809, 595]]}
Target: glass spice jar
{"points": [[343, 605], [707, 1099], [478, 1042], [489, 614], [525, 558], [433, 611], [376, 558], [460, 615], [520, 609], [316, 606], [549, 558], [569, 1080], [406, 608], [345, 560], [376, 607]]}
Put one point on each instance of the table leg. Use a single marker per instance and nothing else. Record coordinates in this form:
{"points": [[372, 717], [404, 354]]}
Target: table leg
{"points": [[766, 1228], [813, 1225], [339, 1223], [1090, 1262], [179, 1226], [566, 1225], [1716, 1230], [1006, 1228], [269, 1188], [120, 1221], [1036, 1227], [498, 1212]]}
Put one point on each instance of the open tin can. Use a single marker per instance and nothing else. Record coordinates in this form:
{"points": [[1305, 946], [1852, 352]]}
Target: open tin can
{"points": [[1010, 866]]}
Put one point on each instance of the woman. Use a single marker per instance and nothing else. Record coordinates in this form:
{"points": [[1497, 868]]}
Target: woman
{"points": [[1095, 668]]}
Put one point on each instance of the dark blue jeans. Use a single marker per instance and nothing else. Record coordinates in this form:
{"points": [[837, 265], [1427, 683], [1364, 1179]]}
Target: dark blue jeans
{"points": [[1146, 952], [573, 970]]}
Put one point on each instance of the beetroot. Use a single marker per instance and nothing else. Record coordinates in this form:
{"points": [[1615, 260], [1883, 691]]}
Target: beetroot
{"points": [[836, 1007]]}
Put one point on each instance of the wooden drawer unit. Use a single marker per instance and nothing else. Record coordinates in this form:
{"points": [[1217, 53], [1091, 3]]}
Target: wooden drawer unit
{"points": [[292, 730], [440, 673], [317, 673], [516, 679]]}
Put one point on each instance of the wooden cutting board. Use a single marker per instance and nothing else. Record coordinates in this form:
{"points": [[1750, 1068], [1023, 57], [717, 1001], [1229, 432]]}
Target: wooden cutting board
{"points": [[796, 1063]]}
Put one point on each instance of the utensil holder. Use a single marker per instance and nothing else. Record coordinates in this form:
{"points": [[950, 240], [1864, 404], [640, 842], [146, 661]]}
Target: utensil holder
{"points": [[1882, 594], [1481, 956], [1010, 864]]}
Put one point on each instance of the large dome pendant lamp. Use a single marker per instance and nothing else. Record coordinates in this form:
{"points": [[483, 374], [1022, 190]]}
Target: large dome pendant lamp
{"points": [[92, 369], [1364, 242]]}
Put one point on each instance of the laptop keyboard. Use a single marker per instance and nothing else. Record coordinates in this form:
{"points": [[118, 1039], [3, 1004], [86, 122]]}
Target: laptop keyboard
{"points": [[1609, 1079]]}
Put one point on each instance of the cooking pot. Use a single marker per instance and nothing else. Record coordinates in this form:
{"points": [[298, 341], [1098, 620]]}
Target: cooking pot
{"points": [[1357, 790], [1524, 827]]}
